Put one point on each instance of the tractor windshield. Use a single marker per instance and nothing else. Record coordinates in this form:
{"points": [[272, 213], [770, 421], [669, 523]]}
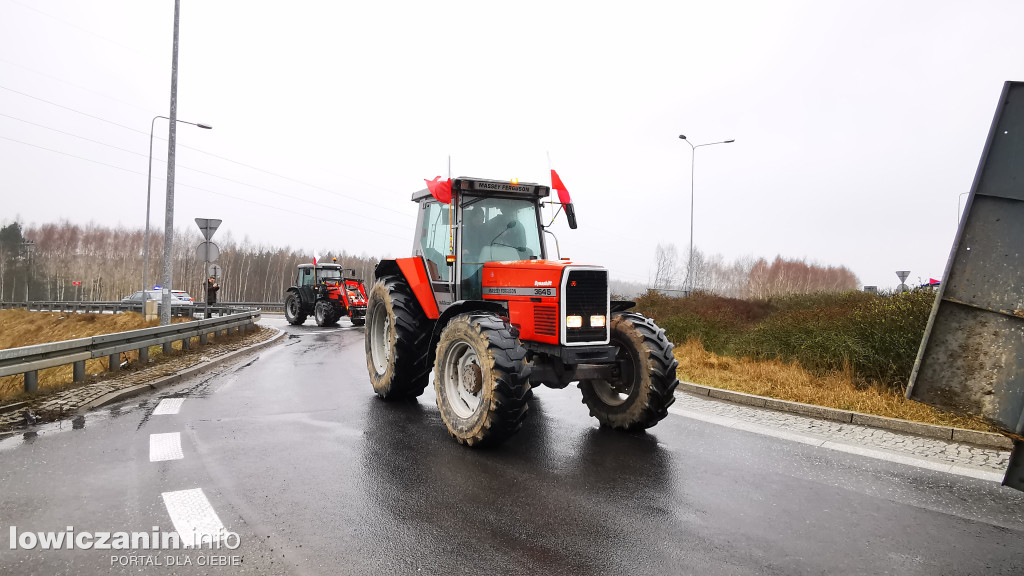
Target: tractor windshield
{"points": [[328, 273], [498, 229]]}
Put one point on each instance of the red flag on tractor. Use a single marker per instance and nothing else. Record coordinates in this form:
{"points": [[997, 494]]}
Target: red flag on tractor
{"points": [[556, 183], [442, 191]]}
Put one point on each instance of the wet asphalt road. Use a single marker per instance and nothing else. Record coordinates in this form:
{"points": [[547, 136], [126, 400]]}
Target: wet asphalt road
{"points": [[317, 476]]}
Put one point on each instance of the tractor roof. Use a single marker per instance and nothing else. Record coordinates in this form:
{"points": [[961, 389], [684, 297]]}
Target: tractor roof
{"points": [[330, 266], [484, 187]]}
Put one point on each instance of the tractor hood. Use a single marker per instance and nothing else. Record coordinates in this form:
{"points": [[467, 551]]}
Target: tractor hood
{"points": [[525, 274]]}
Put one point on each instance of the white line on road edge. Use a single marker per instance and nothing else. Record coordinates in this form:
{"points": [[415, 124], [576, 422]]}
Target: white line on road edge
{"points": [[193, 518], [165, 447], [168, 406], [838, 446]]}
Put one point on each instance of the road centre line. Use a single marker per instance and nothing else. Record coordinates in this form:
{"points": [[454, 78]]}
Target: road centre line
{"points": [[838, 446], [164, 447], [168, 406], [193, 517]]}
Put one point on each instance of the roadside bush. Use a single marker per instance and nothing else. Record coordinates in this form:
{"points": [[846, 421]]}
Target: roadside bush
{"points": [[876, 337], [718, 322]]}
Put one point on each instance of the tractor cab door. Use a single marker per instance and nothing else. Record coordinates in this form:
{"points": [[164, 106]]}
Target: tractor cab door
{"points": [[433, 244], [306, 285]]}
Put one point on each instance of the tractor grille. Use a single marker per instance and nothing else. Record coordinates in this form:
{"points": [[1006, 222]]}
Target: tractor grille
{"points": [[545, 320], [586, 295]]}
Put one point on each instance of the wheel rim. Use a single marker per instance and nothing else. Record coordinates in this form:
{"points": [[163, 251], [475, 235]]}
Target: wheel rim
{"points": [[293, 307], [617, 392], [380, 339], [462, 379], [320, 314]]}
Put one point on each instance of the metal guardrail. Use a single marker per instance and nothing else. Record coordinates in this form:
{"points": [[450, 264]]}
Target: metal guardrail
{"points": [[28, 360], [118, 306]]}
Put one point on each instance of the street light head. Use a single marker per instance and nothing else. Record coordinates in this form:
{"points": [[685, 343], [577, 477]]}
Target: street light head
{"points": [[207, 127], [682, 137], [730, 141]]}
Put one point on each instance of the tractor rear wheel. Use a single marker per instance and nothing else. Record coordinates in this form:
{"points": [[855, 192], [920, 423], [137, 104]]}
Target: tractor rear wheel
{"points": [[396, 340], [640, 396], [482, 379], [293, 309]]}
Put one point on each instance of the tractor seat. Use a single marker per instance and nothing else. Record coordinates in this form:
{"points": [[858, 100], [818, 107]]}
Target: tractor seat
{"points": [[496, 253]]}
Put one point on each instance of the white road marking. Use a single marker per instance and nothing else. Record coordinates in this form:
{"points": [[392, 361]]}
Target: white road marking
{"points": [[838, 446], [193, 517], [168, 406], [165, 447]]}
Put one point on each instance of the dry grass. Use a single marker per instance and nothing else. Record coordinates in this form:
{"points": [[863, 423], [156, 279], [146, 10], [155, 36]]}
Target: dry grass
{"points": [[792, 382], [24, 328]]}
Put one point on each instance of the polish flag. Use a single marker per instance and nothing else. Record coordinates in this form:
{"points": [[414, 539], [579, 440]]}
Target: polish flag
{"points": [[442, 191], [556, 183], [316, 257]]}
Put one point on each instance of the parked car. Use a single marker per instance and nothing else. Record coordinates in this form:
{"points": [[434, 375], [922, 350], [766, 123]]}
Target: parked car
{"points": [[137, 296], [177, 296], [182, 295]]}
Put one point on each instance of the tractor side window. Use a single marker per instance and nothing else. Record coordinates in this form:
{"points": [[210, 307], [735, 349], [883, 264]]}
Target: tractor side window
{"points": [[434, 240], [306, 278]]}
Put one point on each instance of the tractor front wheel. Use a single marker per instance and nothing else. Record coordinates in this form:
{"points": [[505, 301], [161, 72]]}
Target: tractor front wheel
{"points": [[293, 309], [396, 340], [323, 313], [641, 394], [482, 379]]}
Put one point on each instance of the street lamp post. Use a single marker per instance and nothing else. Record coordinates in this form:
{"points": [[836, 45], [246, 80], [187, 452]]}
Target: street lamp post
{"points": [[693, 158], [149, 182]]}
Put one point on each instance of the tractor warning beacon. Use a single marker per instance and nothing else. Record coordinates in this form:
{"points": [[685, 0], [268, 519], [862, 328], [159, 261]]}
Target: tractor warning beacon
{"points": [[481, 304]]}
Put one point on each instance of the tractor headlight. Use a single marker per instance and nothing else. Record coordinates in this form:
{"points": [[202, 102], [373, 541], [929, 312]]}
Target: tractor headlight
{"points": [[574, 321], [597, 321]]}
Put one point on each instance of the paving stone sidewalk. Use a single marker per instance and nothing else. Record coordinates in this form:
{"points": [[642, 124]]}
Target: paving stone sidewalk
{"points": [[50, 407], [928, 448]]}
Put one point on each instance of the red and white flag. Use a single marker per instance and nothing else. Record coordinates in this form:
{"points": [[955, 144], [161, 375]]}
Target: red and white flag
{"points": [[316, 257], [563, 193]]}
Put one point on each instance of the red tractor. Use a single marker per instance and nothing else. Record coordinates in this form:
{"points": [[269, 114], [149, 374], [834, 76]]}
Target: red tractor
{"points": [[481, 305], [326, 292]]}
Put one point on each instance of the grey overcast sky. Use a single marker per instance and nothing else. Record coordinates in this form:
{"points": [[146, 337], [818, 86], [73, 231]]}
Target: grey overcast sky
{"points": [[857, 124]]}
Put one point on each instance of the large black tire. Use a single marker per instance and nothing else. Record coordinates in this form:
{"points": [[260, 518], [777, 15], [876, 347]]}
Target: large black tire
{"points": [[396, 340], [482, 379], [639, 398], [293, 309], [358, 321], [323, 314]]}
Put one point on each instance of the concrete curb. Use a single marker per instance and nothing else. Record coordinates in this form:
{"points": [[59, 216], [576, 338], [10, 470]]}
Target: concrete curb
{"points": [[974, 437], [118, 395]]}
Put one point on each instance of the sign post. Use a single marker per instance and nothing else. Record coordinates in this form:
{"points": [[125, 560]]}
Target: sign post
{"points": [[902, 275], [209, 252]]}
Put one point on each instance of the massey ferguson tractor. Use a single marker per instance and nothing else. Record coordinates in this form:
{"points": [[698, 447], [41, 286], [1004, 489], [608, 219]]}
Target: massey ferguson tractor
{"points": [[481, 304], [327, 293]]}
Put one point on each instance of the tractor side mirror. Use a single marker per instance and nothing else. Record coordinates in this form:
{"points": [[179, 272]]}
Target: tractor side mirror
{"points": [[570, 215]]}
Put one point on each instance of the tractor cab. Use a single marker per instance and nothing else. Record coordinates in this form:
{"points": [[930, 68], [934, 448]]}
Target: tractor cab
{"points": [[487, 221], [317, 280]]}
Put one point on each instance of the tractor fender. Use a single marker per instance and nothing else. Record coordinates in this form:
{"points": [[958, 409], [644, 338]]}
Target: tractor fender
{"points": [[414, 271], [462, 307]]}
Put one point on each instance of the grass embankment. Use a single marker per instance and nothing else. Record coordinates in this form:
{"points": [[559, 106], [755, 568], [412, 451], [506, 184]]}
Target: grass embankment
{"points": [[23, 328], [850, 351]]}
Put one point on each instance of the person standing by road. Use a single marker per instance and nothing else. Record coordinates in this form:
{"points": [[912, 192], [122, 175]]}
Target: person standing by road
{"points": [[211, 291]]}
